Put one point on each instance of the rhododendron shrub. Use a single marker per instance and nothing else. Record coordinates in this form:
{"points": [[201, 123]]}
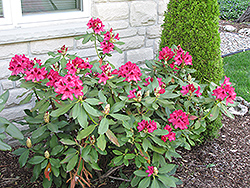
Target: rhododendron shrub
{"points": [[91, 118]]}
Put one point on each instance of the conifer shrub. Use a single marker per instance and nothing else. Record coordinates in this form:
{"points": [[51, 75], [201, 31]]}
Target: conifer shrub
{"points": [[194, 25]]}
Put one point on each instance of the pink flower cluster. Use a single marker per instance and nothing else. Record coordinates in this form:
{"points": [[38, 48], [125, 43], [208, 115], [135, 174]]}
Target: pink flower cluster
{"points": [[170, 135], [36, 74], [161, 88], [137, 95], [63, 50], [147, 126], [106, 74], [179, 119], [150, 170], [178, 54], [53, 77], [96, 25], [77, 63], [130, 71], [69, 85], [225, 91], [190, 89], [107, 45], [20, 64], [147, 81], [182, 57]]}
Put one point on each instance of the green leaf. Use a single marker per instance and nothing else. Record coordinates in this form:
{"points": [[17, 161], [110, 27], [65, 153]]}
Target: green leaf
{"points": [[92, 101], [214, 113], [135, 181], [104, 126], [117, 106], [155, 183], [95, 166], [37, 133], [36, 171], [55, 171], [68, 142], [14, 78], [55, 162], [101, 142], [145, 144], [90, 110], [85, 132], [75, 111], [140, 173], [112, 137], [3, 99], [14, 132], [52, 127], [117, 152], [102, 96], [4, 146], [26, 99], [86, 38], [223, 108], [36, 160], [161, 132], [57, 149], [23, 158], [72, 163], [62, 110], [144, 182], [129, 156], [119, 43], [167, 180], [158, 141], [118, 159], [120, 117], [19, 151], [83, 118], [169, 95], [118, 49], [166, 168]]}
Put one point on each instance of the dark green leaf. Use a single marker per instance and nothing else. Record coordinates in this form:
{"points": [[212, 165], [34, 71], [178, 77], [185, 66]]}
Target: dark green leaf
{"points": [[3, 99], [144, 182], [167, 180], [101, 142], [72, 163], [155, 183], [14, 132], [83, 118], [4, 146], [117, 152], [85, 132], [19, 151], [140, 173], [92, 111], [52, 127], [36, 160], [161, 132], [57, 149], [166, 168], [117, 106], [135, 181], [92, 101], [68, 141], [37, 133], [26, 99], [62, 110], [118, 49], [95, 166], [55, 162], [23, 158], [120, 117], [214, 113]]}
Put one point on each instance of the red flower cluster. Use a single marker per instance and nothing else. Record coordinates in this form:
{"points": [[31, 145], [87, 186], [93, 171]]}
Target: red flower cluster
{"points": [[106, 74], [69, 85], [130, 71], [147, 81], [179, 119], [166, 54], [63, 50], [147, 126], [36, 74], [20, 64], [225, 91], [81, 64], [96, 25], [170, 135], [109, 38], [190, 89]]}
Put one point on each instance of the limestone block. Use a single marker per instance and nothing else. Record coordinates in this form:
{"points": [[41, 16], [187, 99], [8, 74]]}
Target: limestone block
{"points": [[229, 28], [16, 112], [10, 50], [45, 46], [142, 31], [127, 32], [154, 31], [161, 20], [162, 6], [156, 45], [4, 71], [116, 59], [150, 43], [117, 25], [143, 13], [89, 44], [133, 42], [85, 52], [111, 11], [7, 84], [140, 55], [244, 31], [100, 1]]}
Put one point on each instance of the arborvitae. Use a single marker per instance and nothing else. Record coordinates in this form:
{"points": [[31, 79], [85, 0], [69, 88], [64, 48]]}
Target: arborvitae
{"points": [[194, 24]]}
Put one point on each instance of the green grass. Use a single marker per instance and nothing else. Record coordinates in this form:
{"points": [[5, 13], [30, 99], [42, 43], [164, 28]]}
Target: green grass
{"points": [[237, 68]]}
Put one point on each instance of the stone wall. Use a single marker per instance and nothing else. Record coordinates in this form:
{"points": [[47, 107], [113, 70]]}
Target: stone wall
{"points": [[137, 22]]}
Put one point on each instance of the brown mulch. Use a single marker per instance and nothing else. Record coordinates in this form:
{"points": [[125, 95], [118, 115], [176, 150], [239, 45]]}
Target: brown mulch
{"points": [[221, 163]]}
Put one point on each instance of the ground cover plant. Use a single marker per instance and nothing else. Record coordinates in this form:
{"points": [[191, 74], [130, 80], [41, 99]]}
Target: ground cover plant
{"points": [[237, 67], [232, 9], [91, 119]]}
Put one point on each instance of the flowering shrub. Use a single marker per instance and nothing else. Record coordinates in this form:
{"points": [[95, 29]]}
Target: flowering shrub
{"points": [[91, 119]]}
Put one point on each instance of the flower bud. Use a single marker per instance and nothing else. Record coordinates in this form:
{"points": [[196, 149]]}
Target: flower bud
{"points": [[46, 117], [46, 154], [92, 139], [28, 143], [189, 77], [139, 96], [155, 171], [146, 94], [106, 109], [156, 91]]}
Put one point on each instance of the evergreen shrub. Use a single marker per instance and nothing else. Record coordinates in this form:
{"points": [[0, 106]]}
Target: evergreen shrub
{"points": [[194, 25]]}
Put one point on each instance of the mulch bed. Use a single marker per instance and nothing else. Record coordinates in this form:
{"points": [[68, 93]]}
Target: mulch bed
{"points": [[238, 26], [221, 163]]}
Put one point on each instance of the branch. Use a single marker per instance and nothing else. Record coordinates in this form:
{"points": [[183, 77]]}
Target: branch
{"points": [[119, 179]]}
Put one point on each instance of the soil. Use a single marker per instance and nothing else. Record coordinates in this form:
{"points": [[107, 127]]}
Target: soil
{"points": [[221, 163]]}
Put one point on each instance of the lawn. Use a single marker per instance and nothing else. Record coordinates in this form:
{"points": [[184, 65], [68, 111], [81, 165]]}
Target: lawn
{"points": [[237, 67]]}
